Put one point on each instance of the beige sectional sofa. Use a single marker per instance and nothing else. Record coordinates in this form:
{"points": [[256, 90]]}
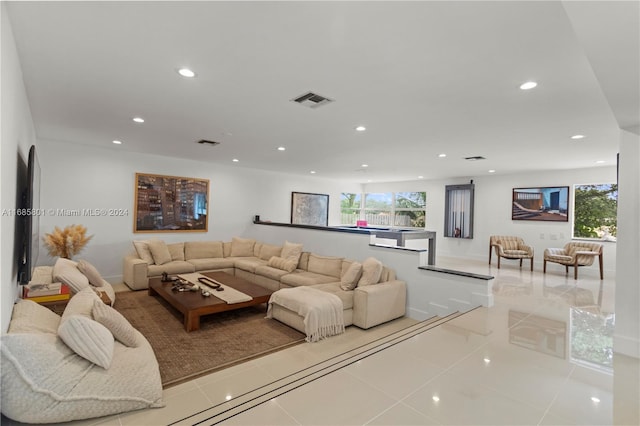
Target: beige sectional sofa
{"points": [[275, 267]]}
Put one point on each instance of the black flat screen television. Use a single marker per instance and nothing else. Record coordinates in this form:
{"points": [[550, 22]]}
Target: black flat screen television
{"points": [[29, 213]]}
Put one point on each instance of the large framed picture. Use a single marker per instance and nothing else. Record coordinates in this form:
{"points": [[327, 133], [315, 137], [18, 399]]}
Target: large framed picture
{"points": [[170, 204], [541, 203], [309, 209]]}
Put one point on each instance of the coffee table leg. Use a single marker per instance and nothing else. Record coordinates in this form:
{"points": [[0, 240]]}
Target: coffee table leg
{"points": [[191, 321]]}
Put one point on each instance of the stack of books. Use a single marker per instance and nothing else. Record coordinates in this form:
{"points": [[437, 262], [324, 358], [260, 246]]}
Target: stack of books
{"points": [[46, 292]]}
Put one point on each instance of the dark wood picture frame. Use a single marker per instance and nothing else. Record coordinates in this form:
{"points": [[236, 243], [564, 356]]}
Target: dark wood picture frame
{"points": [[309, 209], [544, 203], [170, 204]]}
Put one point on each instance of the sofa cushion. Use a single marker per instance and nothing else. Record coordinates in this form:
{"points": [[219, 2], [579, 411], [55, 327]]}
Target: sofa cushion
{"points": [[212, 263], [89, 271], [350, 278], [172, 268], [325, 265], [88, 338], [242, 247], [267, 251], [66, 271], [303, 263], [142, 248], [30, 317], [291, 250], [249, 264], [159, 251], [271, 272], [202, 250], [176, 250], [334, 288], [371, 272], [117, 324], [299, 278], [288, 265], [80, 304]]}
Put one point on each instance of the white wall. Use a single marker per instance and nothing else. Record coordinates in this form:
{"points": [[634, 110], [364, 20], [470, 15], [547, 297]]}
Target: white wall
{"points": [[18, 135], [85, 177], [492, 216], [627, 332]]}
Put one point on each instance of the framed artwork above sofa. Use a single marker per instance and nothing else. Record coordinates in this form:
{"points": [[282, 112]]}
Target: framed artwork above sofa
{"points": [[309, 209], [170, 204]]}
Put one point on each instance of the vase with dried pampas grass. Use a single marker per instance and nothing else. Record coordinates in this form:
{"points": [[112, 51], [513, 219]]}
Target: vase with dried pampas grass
{"points": [[66, 242]]}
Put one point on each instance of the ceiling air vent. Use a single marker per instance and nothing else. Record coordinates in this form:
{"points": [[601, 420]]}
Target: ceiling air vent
{"points": [[312, 100], [206, 142], [476, 158]]}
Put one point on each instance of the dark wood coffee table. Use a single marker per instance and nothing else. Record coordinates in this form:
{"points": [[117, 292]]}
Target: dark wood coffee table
{"points": [[193, 305]]}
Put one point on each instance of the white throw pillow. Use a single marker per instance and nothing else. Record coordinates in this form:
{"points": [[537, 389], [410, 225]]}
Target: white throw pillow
{"points": [[142, 248], [116, 323], [88, 338], [242, 247], [159, 251], [288, 265], [371, 272], [89, 271], [66, 271], [350, 279], [81, 304], [291, 251]]}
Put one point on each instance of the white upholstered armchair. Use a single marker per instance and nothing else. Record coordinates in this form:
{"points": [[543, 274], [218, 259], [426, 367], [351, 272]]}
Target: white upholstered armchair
{"points": [[510, 248], [575, 253]]}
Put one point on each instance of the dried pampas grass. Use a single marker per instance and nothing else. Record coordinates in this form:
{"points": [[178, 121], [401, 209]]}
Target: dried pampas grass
{"points": [[66, 242]]}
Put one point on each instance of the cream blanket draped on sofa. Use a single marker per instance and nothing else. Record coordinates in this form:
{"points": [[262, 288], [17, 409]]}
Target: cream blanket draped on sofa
{"points": [[322, 311]]}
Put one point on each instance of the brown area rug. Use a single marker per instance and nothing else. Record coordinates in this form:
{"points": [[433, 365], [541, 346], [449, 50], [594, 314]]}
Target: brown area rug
{"points": [[224, 339]]}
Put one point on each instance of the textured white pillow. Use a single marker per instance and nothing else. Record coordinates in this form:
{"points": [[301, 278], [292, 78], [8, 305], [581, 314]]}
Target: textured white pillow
{"points": [[142, 248], [242, 247], [66, 271], [88, 338], [89, 271], [371, 272], [80, 304], [291, 251], [350, 279], [288, 265], [159, 251], [117, 324]]}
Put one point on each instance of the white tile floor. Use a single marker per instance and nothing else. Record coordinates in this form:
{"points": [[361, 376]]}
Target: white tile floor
{"points": [[515, 363]]}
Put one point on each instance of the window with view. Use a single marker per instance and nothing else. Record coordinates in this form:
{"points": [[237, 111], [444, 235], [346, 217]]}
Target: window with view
{"points": [[595, 211], [397, 209]]}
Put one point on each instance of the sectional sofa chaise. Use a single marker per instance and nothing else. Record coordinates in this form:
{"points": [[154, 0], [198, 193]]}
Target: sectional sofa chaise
{"points": [[369, 291]]}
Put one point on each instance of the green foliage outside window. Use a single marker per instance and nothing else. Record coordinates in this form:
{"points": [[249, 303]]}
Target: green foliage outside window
{"points": [[596, 209]]}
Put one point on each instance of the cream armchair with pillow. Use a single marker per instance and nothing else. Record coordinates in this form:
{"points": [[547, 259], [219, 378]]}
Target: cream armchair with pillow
{"points": [[575, 254], [510, 248]]}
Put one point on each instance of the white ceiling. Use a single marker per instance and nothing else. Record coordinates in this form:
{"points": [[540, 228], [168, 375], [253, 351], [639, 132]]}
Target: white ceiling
{"points": [[424, 77]]}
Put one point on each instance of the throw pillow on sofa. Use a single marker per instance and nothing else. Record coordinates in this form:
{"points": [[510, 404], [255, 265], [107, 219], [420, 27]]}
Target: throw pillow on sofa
{"points": [[242, 247], [66, 271], [291, 251], [288, 265], [267, 251], [350, 279], [176, 250], [88, 338], [117, 324], [159, 251], [371, 272], [89, 271], [142, 248]]}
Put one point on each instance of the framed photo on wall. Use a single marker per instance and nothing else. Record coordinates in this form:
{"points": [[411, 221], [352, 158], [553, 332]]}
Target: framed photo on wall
{"points": [[170, 204], [541, 203], [309, 209]]}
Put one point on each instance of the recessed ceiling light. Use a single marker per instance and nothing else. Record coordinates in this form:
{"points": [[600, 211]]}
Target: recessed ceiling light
{"points": [[420, 177], [492, 171], [577, 137], [235, 160], [595, 399], [186, 72], [313, 172], [487, 360], [599, 161], [528, 85], [117, 142], [281, 148], [442, 155], [138, 119], [361, 128], [435, 398], [369, 181], [365, 165]]}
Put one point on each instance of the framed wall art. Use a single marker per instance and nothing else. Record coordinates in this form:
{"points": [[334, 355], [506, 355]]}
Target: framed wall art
{"points": [[541, 203], [170, 204], [309, 209]]}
